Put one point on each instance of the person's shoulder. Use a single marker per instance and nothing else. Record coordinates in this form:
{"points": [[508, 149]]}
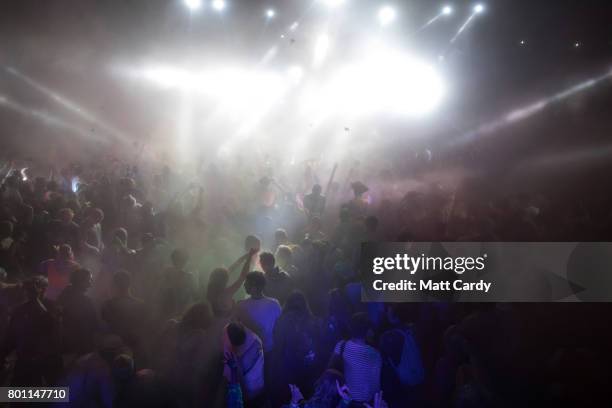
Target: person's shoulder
{"points": [[242, 304], [339, 345], [272, 301]]}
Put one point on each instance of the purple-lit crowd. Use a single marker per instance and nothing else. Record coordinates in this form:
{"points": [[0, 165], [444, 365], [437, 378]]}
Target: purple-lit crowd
{"points": [[238, 286]]}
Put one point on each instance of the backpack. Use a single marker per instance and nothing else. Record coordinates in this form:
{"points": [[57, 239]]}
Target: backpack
{"points": [[410, 368]]}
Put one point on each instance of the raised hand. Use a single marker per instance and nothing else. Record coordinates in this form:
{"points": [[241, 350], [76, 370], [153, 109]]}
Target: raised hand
{"points": [[379, 402], [230, 360], [343, 391], [296, 394]]}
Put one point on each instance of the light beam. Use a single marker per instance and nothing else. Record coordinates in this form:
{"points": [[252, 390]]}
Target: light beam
{"points": [[446, 11], [69, 105], [525, 112], [45, 118], [478, 9]]}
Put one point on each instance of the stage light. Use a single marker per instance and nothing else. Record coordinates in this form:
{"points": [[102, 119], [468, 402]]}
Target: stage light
{"points": [[332, 3], [576, 44], [386, 15], [479, 8], [294, 26], [270, 13], [321, 49], [447, 10], [218, 5], [193, 4], [386, 81], [522, 42]]}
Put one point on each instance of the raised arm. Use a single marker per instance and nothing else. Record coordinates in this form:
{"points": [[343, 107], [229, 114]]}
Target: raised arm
{"points": [[246, 260]]}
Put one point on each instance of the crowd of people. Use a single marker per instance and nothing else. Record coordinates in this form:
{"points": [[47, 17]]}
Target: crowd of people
{"points": [[135, 287]]}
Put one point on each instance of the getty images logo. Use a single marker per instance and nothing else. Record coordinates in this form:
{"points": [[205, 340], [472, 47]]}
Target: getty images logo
{"points": [[412, 264]]}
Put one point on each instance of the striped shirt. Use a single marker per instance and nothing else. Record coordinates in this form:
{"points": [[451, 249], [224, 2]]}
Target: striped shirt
{"points": [[362, 364]]}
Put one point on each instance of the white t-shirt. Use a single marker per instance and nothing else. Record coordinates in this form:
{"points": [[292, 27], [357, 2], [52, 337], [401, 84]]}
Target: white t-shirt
{"points": [[251, 362], [260, 316]]}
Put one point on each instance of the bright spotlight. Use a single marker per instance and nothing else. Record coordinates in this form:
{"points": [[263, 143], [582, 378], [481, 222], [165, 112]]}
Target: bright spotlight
{"points": [[479, 8], [167, 77], [447, 10], [295, 73], [332, 3], [193, 4], [386, 15], [321, 49], [386, 81], [270, 13], [218, 5]]}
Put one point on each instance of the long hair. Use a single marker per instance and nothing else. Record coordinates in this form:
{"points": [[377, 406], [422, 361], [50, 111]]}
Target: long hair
{"points": [[326, 392], [297, 304]]}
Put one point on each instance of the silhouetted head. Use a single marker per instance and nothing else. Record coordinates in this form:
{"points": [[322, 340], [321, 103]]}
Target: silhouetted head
{"points": [[252, 242], [267, 261], [35, 287], [255, 283], [81, 279], [281, 237], [284, 255], [297, 303], [236, 333], [66, 215]]}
